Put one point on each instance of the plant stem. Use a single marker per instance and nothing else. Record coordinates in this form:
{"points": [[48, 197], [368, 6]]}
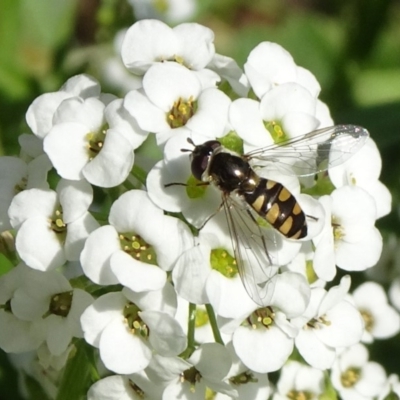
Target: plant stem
{"points": [[214, 325]]}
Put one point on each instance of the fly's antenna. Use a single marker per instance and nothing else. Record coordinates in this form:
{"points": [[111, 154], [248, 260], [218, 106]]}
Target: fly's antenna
{"points": [[190, 141]]}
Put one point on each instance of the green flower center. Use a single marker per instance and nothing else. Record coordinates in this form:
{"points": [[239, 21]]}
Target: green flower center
{"points": [[338, 230], [194, 188], [300, 395], [244, 377], [138, 391], [318, 323], [161, 6], [181, 112], [232, 141], [261, 318], [21, 185], [134, 322], [138, 248], [223, 262], [60, 304], [368, 318], [57, 225], [191, 375], [95, 142], [276, 131], [350, 377]]}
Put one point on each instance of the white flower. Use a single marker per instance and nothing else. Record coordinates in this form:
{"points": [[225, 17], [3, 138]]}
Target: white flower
{"points": [[265, 339], [127, 328], [394, 293], [269, 65], [82, 146], [17, 175], [228, 69], [249, 385], [363, 170], [125, 387], [52, 226], [41, 112], [138, 247], [392, 386], [330, 322], [172, 98], [49, 298], [381, 320], [298, 381], [349, 238], [151, 41], [16, 335], [284, 112], [355, 377], [187, 379]]}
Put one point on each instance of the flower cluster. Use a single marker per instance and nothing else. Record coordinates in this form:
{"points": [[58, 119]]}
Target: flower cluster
{"points": [[147, 268]]}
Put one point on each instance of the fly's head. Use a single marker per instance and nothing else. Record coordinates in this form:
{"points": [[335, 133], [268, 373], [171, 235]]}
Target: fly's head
{"points": [[201, 155]]}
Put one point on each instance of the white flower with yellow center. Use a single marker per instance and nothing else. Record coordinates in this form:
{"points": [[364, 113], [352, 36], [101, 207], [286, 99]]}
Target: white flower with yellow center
{"points": [[284, 112], [151, 41], [299, 381], [363, 170], [138, 247], [86, 142], [381, 320], [206, 368], [41, 112], [173, 98], [128, 328], [349, 238], [354, 377], [52, 226], [270, 65], [329, 323], [49, 300]]}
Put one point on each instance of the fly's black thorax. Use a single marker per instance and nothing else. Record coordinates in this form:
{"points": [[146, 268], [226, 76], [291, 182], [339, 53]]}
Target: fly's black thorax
{"points": [[230, 172]]}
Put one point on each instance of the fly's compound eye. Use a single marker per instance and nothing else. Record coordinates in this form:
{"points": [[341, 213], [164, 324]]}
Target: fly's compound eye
{"points": [[200, 157]]}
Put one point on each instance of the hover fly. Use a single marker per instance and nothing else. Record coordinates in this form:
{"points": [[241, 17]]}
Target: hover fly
{"points": [[248, 198]]}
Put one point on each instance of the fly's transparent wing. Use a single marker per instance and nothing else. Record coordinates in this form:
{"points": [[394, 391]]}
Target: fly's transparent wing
{"points": [[313, 152], [256, 266]]}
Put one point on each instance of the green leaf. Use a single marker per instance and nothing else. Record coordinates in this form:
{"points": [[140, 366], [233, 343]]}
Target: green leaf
{"points": [[80, 373], [47, 22]]}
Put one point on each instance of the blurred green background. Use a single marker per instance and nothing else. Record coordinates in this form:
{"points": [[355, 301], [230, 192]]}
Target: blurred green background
{"points": [[352, 47]]}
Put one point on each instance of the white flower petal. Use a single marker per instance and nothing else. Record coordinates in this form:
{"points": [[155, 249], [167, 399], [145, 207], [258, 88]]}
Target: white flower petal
{"points": [[95, 256], [100, 314], [147, 42], [75, 198], [38, 245], [67, 147], [121, 351], [316, 353], [262, 350], [112, 165], [166, 335], [40, 113], [136, 275]]}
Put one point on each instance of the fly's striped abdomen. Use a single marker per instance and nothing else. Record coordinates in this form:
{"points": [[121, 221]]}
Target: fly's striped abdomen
{"points": [[279, 207]]}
